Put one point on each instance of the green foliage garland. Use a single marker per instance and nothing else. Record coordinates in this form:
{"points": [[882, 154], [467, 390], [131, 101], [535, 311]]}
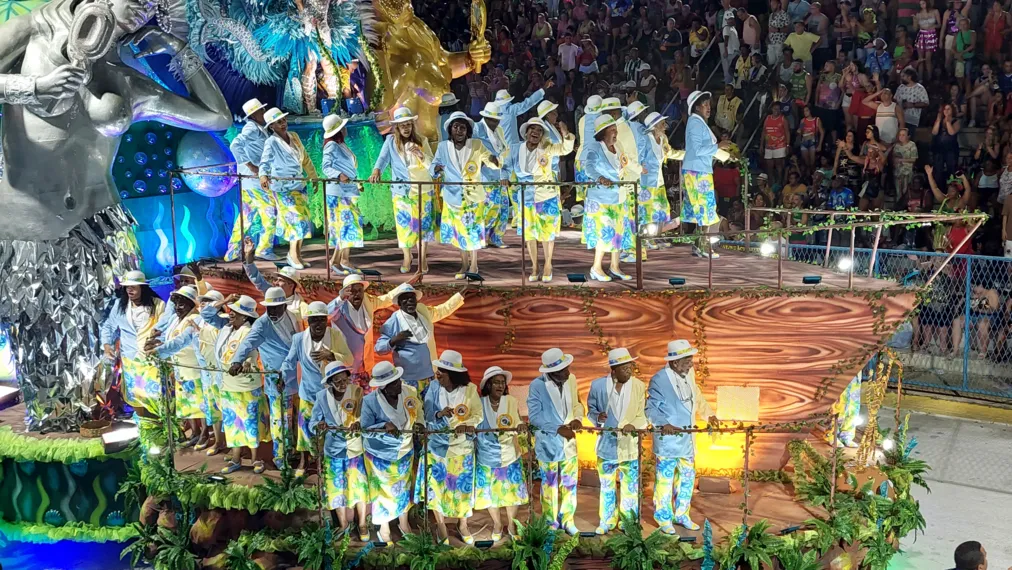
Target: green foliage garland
{"points": [[72, 531], [24, 448]]}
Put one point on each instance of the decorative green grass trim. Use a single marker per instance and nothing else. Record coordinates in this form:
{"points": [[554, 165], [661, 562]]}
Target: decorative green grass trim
{"points": [[77, 531], [26, 448]]}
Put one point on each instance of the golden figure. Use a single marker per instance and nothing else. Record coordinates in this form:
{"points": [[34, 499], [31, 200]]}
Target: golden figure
{"points": [[418, 70]]}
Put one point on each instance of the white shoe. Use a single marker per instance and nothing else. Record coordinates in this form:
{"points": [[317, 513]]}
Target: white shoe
{"points": [[291, 262], [597, 277]]}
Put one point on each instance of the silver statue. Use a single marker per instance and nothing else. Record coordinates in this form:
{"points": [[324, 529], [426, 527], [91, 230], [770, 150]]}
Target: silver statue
{"points": [[71, 85]]}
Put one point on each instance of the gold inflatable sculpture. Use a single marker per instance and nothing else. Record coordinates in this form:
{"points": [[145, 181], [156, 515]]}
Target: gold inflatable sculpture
{"points": [[416, 67]]}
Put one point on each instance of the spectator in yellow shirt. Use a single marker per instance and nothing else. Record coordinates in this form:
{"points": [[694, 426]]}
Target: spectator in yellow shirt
{"points": [[803, 43]]}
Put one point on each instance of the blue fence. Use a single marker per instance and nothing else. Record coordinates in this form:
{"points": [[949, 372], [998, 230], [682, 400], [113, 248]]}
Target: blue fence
{"points": [[959, 341]]}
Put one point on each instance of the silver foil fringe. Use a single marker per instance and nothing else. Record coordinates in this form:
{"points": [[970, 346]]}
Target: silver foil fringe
{"points": [[53, 298]]}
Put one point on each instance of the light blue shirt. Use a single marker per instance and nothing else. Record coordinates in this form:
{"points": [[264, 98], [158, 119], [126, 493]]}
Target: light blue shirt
{"points": [[549, 446], [380, 445], [256, 278], [248, 147], [482, 133], [700, 146], [340, 318], [273, 351], [398, 168], [453, 194], [188, 338], [335, 444], [596, 165], [279, 160], [587, 136], [337, 160], [312, 379], [664, 407], [798, 11], [512, 110], [648, 159], [117, 326], [413, 357]]}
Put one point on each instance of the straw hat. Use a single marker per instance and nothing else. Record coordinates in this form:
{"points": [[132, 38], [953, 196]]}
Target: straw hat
{"points": [[405, 288], [610, 104], [593, 104], [448, 100], [456, 116], [252, 106], [450, 360], [317, 309], [619, 356], [134, 278], [553, 360], [634, 109], [289, 273], [211, 296], [532, 122], [274, 296], [273, 115], [603, 122], [492, 110], [186, 292], [679, 349], [503, 96], [402, 115], [245, 306], [546, 107], [354, 279], [332, 124], [492, 371], [333, 369], [384, 373]]}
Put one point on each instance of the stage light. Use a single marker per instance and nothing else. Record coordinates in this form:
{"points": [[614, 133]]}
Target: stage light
{"points": [[676, 281], [372, 273], [587, 534], [811, 279], [714, 239], [859, 421], [217, 479], [686, 539], [154, 450], [888, 444], [650, 229], [483, 544], [119, 437], [845, 264], [576, 277], [767, 249], [474, 277]]}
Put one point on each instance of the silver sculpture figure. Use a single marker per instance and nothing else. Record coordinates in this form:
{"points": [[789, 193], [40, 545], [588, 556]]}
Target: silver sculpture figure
{"points": [[71, 85]]}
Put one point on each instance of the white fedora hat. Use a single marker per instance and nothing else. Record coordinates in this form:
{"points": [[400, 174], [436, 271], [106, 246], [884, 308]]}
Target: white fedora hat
{"points": [[354, 279], [678, 349], [448, 100], [405, 288], [456, 116], [273, 115], [694, 96], [610, 104], [134, 277], [534, 121], [492, 110], [384, 373], [593, 104], [211, 296], [617, 356], [274, 296], [186, 292], [317, 309], [491, 372], [546, 107], [603, 122], [553, 360], [402, 115], [289, 273], [503, 96], [634, 109], [332, 124], [333, 369], [450, 360], [252, 106], [245, 305], [653, 119]]}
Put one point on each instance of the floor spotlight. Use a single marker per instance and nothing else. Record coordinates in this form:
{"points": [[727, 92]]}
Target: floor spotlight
{"points": [[119, 437], [372, 273], [714, 239], [811, 279], [845, 264], [676, 281], [650, 229], [576, 277], [888, 444], [474, 277], [767, 249]]}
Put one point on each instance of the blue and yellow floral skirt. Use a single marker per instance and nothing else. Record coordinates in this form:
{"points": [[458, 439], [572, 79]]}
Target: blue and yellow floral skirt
{"points": [[344, 222], [500, 486], [390, 485], [189, 393], [451, 485], [142, 385], [293, 216], [542, 220], [259, 215], [407, 221], [604, 226], [244, 418], [345, 481], [700, 205], [463, 226]]}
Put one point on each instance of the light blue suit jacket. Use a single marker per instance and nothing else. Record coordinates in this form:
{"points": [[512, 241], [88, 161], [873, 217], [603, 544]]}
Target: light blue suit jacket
{"points": [[380, 445], [248, 146], [338, 160], [273, 350], [665, 407], [277, 160], [513, 110], [700, 145], [549, 446], [596, 165]]}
